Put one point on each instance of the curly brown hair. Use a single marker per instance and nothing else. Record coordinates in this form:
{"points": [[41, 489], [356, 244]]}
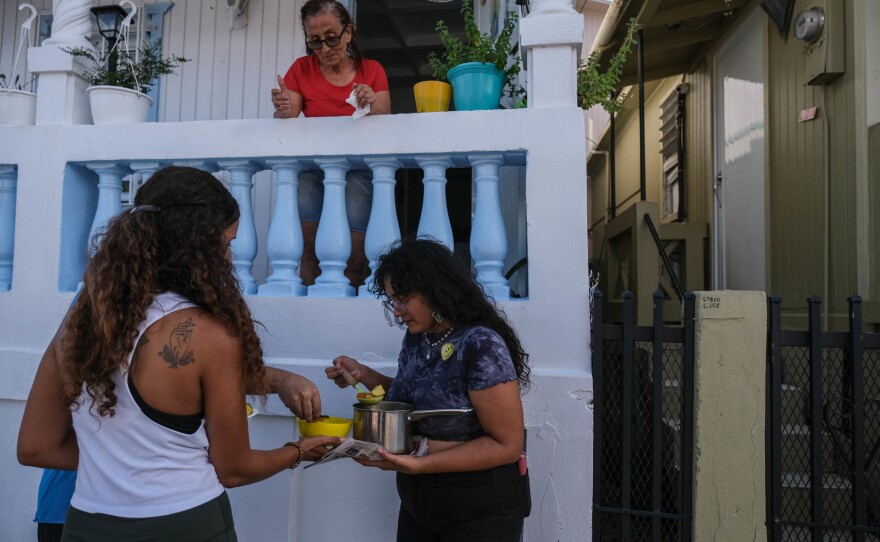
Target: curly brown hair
{"points": [[173, 242]]}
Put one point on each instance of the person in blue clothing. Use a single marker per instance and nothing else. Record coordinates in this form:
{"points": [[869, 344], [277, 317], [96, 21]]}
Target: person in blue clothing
{"points": [[469, 481], [53, 499]]}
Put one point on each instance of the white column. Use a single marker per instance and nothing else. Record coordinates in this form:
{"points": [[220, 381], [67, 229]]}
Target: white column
{"points": [[551, 36], [383, 229], [71, 23], [61, 93], [8, 181], [434, 221], [244, 247], [333, 241], [285, 242], [109, 195], [488, 237]]}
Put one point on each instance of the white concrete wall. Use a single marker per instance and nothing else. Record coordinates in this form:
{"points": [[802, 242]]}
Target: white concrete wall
{"points": [[303, 334]]}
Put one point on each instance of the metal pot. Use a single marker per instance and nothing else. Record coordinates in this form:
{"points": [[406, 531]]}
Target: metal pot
{"points": [[389, 424]]}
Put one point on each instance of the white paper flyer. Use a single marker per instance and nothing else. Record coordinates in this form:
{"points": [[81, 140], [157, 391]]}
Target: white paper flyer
{"points": [[351, 448]]}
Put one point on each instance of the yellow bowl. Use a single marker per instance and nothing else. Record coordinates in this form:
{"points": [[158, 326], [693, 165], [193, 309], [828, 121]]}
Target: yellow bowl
{"points": [[329, 426]]}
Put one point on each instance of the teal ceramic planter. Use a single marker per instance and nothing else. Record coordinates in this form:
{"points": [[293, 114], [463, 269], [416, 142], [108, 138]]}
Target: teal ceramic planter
{"points": [[475, 86]]}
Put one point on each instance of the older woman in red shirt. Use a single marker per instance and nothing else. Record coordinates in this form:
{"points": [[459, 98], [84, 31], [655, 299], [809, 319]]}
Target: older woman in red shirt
{"points": [[318, 85]]}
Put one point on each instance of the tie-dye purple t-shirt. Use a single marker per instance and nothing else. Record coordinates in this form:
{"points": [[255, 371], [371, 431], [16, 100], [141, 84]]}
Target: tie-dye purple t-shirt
{"points": [[477, 359]]}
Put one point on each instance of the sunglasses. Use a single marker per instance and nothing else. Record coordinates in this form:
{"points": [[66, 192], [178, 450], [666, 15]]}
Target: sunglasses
{"points": [[331, 41]]}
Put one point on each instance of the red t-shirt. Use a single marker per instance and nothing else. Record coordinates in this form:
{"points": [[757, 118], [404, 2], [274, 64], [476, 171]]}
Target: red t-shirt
{"points": [[324, 99]]}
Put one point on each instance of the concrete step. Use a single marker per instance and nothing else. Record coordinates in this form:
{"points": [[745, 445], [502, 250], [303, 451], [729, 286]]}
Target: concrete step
{"points": [[837, 503], [791, 533], [796, 448]]}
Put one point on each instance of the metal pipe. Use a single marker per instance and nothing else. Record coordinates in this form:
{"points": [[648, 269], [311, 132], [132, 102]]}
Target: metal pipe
{"points": [[612, 170], [609, 24], [641, 54]]}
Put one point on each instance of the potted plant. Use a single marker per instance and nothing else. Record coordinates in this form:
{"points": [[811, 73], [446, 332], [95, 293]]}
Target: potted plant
{"points": [[600, 88], [432, 96], [477, 68], [18, 107], [120, 94]]}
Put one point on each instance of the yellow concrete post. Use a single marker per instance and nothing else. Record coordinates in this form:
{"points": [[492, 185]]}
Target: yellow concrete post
{"points": [[729, 408]]}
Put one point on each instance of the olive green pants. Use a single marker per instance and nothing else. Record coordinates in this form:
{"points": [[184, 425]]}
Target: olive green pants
{"points": [[209, 522]]}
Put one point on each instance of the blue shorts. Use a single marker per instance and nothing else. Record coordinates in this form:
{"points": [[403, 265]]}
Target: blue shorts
{"points": [[358, 197]]}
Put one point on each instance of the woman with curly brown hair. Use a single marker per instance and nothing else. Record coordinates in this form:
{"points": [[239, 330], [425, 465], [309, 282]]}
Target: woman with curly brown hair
{"points": [[142, 389]]}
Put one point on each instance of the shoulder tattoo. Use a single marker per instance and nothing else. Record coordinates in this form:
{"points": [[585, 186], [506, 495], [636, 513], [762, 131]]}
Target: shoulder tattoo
{"points": [[178, 352]]}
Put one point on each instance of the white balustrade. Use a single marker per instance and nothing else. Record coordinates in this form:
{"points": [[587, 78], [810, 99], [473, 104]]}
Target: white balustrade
{"points": [[383, 229], [333, 241], [488, 236], [8, 181], [435, 222], [285, 241], [109, 195], [244, 247]]}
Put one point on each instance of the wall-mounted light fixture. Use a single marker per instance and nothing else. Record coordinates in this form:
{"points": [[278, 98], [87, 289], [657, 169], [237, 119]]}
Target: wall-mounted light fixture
{"points": [[109, 20], [523, 7]]}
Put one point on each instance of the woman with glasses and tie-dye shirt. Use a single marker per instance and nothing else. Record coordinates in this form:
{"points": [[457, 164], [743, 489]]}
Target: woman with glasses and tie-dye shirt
{"points": [[469, 480], [318, 85]]}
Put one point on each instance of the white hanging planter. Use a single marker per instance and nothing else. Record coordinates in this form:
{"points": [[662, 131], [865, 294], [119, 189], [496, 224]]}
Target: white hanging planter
{"points": [[114, 105], [17, 107]]}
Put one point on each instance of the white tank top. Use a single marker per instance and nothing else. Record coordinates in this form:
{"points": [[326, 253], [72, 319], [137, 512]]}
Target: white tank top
{"points": [[129, 465]]}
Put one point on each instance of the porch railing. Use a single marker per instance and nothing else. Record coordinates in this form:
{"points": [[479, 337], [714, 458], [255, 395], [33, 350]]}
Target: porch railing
{"points": [[333, 246]]}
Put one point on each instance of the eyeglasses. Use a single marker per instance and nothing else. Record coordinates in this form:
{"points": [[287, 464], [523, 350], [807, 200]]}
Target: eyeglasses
{"points": [[393, 305], [331, 41]]}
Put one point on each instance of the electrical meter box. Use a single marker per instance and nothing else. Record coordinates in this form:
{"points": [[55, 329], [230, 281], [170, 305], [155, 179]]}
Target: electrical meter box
{"points": [[821, 26]]}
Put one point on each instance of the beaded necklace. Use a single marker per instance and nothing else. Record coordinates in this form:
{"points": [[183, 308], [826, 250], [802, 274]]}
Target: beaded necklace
{"points": [[432, 345]]}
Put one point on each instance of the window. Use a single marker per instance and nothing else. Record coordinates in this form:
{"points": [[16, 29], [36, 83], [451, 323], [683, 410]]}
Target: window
{"points": [[672, 146]]}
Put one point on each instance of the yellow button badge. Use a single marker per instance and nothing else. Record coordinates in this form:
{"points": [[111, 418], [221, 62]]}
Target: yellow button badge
{"points": [[446, 351]]}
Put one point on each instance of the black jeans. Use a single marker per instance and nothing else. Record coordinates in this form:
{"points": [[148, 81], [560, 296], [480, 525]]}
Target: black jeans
{"points": [[486, 505]]}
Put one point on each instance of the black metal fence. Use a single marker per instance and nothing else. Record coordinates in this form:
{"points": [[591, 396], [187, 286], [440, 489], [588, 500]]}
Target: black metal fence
{"points": [[643, 381], [824, 425]]}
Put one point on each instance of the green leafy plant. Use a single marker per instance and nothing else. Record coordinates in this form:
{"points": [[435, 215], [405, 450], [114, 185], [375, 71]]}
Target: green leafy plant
{"points": [[479, 47], [140, 74], [595, 87]]}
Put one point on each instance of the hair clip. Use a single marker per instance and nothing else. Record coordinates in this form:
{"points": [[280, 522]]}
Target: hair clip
{"points": [[146, 208]]}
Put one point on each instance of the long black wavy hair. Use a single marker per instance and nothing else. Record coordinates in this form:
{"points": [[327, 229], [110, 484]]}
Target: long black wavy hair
{"points": [[428, 268], [319, 7]]}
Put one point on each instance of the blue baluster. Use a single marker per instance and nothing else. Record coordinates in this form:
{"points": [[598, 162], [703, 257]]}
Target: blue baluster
{"points": [[434, 221], [244, 247], [109, 195], [333, 241], [204, 165], [285, 243], [383, 228], [488, 236], [8, 181], [145, 170]]}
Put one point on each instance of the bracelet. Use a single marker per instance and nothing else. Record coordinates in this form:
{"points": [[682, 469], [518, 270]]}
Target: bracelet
{"points": [[299, 458]]}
